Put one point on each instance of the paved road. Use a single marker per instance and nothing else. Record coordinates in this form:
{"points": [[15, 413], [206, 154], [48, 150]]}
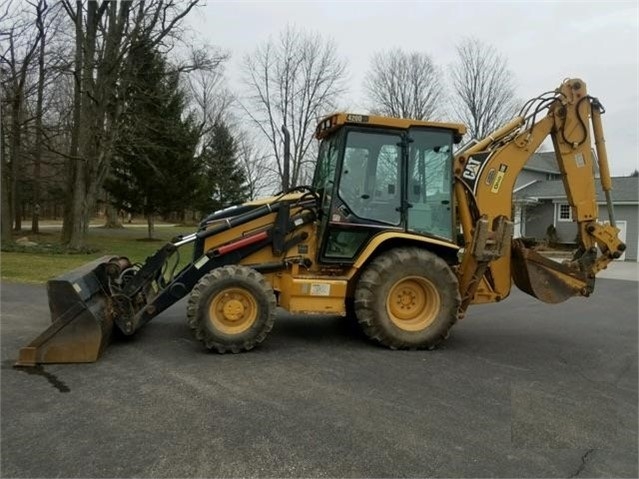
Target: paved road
{"points": [[521, 389], [626, 270]]}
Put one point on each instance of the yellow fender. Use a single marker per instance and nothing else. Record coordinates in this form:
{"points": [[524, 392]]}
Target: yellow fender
{"points": [[405, 238]]}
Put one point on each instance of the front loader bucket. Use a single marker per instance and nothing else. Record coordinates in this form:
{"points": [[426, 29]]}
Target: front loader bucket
{"points": [[545, 279], [81, 316]]}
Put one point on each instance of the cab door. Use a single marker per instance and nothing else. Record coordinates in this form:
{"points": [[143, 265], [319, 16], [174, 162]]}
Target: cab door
{"points": [[369, 193], [429, 183]]}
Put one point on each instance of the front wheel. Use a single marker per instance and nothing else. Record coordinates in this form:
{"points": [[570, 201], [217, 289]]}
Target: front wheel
{"points": [[231, 309], [407, 298]]}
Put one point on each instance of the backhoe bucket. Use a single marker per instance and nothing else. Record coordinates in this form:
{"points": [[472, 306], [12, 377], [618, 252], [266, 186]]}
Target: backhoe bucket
{"points": [[545, 279], [81, 315]]}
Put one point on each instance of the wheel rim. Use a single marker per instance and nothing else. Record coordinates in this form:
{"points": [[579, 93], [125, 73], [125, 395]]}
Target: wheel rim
{"points": [[413, 303], [233, 311]]}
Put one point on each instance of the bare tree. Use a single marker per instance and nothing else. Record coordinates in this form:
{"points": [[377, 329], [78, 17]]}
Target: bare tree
{"points": [[5, 219], [5, 213], [404, 85], [30, 128], [104, 35], [209, 98], [293, 80], [483, 88], [42, 25], [212, 102], [16, 57], [259, 170]]}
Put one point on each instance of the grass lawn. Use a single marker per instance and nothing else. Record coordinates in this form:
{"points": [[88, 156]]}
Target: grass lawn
{"points": [[130, 241]]}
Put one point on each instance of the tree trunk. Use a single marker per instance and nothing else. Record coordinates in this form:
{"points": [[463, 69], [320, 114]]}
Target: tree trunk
{"points": [[16, 137], [84, 187], [113, 219], [74, 163], [5, 219], [35, 217], [19, 79], [151, 225], [96, 79]]}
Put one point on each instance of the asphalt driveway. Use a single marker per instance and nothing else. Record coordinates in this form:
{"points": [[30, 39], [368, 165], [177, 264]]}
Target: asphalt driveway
{"points": [[521, 389]]}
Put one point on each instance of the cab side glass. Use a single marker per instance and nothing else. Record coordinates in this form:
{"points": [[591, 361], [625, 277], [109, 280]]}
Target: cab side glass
{"points": [[430, 183], [370, 176]]}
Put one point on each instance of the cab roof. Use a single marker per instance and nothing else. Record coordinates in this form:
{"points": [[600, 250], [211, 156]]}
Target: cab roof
{"points": [[332, 122]]}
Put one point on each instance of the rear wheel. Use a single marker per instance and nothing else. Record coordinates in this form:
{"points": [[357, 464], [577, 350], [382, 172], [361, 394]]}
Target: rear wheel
{"points": [[231, 309], [407, 298]]}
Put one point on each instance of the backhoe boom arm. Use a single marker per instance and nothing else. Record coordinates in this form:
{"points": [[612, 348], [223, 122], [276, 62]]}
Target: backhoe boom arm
{"points": [[485, 180]]}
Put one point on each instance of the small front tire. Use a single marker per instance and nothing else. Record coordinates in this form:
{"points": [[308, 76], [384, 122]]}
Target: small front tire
{"points": [[231, 309]]}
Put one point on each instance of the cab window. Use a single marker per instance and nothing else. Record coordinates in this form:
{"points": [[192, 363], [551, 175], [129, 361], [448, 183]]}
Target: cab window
{"points": [[429, 182], [370, 176], [324, 178]]}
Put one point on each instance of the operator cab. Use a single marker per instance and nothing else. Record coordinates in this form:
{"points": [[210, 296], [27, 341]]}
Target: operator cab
{"points": [[376, 174]]}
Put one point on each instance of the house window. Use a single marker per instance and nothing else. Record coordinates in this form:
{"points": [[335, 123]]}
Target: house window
{"points": [[564, 213]]}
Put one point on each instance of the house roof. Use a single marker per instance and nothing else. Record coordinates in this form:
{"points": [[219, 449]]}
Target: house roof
{"points": [[546, 162], [625, 189], [543, 161]]}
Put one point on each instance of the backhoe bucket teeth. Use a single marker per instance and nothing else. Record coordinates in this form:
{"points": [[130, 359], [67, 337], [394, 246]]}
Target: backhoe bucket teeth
{"points": [[545, 279], [81, 315]]}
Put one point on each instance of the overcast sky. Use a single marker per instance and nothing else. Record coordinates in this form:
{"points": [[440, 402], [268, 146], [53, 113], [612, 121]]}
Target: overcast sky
{"points": [[544, 42]]}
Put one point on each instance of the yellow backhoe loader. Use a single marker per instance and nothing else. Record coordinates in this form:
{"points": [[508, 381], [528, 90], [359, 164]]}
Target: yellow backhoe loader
{"points": [[397, 230]]}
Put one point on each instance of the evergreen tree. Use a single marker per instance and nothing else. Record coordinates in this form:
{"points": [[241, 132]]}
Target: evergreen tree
{"points": [[155, 169], [223, 181]]}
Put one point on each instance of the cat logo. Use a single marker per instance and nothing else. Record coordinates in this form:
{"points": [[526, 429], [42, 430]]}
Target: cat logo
{"points": [[472, 169]]}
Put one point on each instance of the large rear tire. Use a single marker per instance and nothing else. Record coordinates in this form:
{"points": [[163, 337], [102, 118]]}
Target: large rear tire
{"points": [[231, 309], [407, 298]]}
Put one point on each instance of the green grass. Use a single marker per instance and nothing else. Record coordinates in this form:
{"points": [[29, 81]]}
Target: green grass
{"points": [[41, 265]]}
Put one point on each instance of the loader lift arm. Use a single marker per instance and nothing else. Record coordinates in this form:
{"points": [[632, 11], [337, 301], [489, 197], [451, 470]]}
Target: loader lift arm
{"points": [[485, 178], [86, 303], [157, 293]]}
